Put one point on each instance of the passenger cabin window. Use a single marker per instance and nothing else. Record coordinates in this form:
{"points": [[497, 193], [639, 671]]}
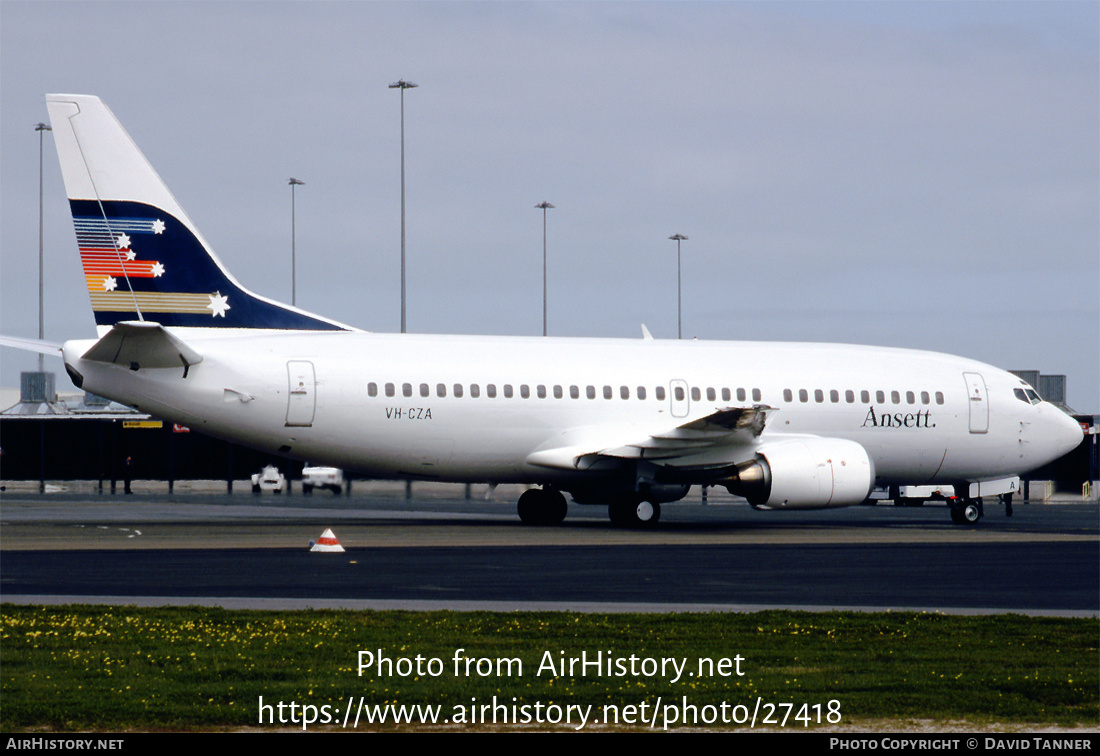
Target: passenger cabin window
{"points": [[389, 389], [924, 398], [372, 389], [895, 397], [660, 391], [441, 390], [590, 392], [574, 392], [803, 395], [880, 397], [910, 397], [865, 397], [458, 390], [756, 395], [939, 397], [607, 392], [406, 389], [787, 396], [524, 391], [850, 396], [540, 391], [491, 390], [834, 396], [475, 391], [624, 392], [711, 396], [678, 392], [424, 391], [819, 396], [725, 395], [507, 390], [557, 392], [740, 394], [641, 392]]}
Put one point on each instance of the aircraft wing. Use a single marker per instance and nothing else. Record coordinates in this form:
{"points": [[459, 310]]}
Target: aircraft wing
{"points": [[140, 344], [707, 442]]}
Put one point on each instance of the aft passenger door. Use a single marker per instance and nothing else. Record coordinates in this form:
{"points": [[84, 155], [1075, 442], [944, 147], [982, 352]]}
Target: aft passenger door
{"points": [[978, 402], [302, 396]]}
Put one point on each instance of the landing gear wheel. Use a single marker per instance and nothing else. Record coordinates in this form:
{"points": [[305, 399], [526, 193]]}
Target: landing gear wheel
{"points": [[647, 513], [973, 511], [541, 507], [633, 514], [967, 512], [619, 512]]}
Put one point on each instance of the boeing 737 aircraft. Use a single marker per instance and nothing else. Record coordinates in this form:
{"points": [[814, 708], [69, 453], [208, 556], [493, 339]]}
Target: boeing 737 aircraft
{"points": [[626, 424]]}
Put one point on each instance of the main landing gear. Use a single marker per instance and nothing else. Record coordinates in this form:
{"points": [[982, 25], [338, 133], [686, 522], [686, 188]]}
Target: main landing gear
{"points": [[542, 506], [966, 511], [632, 513]]}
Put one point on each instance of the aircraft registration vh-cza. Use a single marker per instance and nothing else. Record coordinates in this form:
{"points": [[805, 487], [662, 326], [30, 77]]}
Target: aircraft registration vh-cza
{"points": [[627, 424]]}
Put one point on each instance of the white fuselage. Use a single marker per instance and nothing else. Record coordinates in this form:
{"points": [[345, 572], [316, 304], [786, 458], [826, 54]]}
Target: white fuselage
{"points": [[387, 405]]}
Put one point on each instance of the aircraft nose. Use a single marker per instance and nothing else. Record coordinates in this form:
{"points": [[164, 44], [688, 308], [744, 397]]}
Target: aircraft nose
{"points": [[1066, 432]]}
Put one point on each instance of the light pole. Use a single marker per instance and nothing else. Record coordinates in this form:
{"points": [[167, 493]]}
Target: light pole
{"points": [[40, 127], [402, 85], [544, 206], [679, 328], [293, 264]]}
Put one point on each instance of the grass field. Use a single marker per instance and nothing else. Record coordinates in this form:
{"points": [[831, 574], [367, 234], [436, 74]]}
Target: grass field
{"points": [[112, 668]]}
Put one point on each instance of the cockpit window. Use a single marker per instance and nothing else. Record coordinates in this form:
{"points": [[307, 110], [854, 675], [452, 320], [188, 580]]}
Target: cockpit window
{"points": [[1028, 396]]}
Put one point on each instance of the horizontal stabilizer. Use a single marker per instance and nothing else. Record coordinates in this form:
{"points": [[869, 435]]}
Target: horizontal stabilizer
{"points": [[136, 344], [30, 345]]}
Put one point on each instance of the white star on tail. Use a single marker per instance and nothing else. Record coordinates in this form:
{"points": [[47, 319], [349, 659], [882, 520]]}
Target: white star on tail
{"points": [[158, 226], [218, 304], [124, 242], [130, 254], [158, 270], [110, 283]]}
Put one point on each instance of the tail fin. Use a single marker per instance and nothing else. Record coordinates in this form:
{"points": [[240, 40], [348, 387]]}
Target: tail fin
{"points": [[143, 258]]}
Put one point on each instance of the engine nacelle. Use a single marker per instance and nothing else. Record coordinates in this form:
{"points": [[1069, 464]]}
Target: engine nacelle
{"points": [[805, 473]]}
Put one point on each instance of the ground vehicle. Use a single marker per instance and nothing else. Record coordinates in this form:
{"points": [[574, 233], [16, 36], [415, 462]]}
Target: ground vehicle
{"points": [[331, 478], [269, 480]]}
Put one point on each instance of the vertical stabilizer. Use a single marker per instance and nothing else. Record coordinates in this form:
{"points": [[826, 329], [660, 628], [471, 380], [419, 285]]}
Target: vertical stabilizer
{"points": [[143, 258]]}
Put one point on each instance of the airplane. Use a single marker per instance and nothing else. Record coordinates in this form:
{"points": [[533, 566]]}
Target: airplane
{"points": [[629, 424]]}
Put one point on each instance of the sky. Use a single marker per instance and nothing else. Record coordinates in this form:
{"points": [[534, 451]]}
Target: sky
{"points": [[914, 174]]}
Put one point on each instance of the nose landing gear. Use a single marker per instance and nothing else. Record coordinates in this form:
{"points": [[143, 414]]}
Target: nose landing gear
{"points": [[966, 511]]}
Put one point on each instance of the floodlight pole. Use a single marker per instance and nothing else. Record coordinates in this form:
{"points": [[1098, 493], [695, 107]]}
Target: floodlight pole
{"points": [[293, 264], [40, 127], [544, 206], [403, 85], [679, 320]]}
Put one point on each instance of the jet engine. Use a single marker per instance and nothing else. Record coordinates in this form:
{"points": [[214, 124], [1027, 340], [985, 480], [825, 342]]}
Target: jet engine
{"points": [[804, 473]]}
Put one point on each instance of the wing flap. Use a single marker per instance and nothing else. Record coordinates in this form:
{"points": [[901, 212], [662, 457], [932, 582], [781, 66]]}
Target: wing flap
{"points": [[710, 441]]}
